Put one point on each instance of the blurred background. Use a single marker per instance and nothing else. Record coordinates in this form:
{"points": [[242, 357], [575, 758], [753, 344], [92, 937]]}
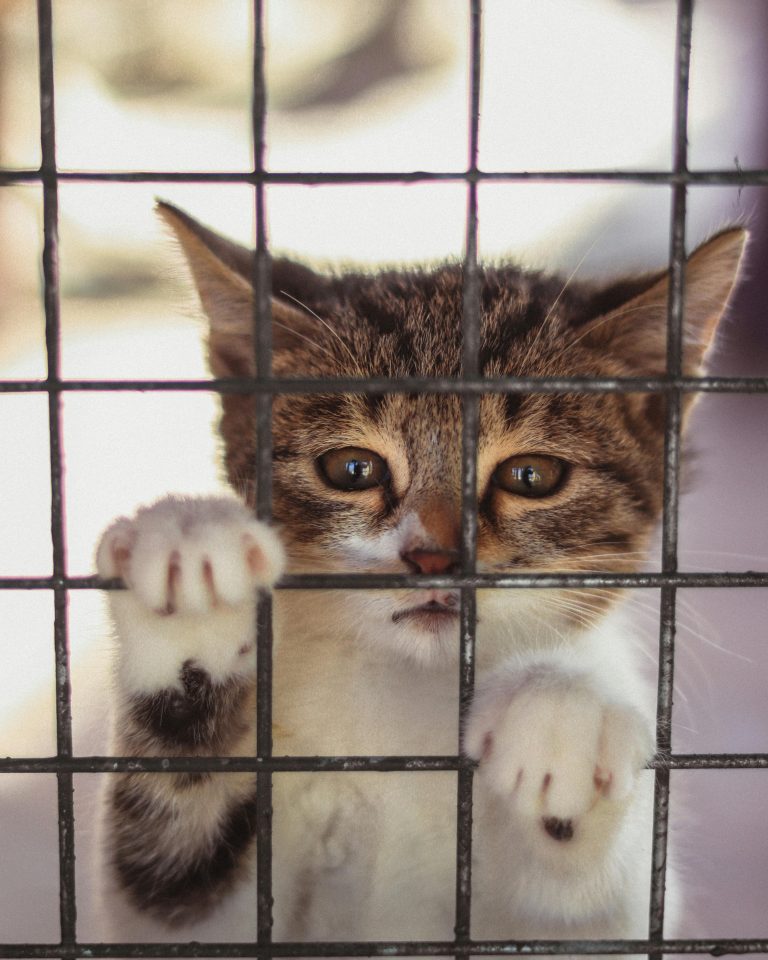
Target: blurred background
{"points": [[367, 85]]}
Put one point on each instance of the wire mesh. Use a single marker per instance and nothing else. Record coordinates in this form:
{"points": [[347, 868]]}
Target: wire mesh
{"points": [[263, 387]]}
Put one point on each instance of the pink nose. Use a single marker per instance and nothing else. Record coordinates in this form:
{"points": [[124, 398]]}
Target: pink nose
{"points": [[432, 561]]}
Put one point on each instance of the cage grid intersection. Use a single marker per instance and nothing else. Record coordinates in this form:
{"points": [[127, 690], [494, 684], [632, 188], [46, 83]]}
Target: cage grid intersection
{"points": [[470, 387]]}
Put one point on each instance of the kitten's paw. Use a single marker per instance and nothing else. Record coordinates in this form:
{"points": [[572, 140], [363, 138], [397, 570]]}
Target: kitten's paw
{"points": [[191, 566], [191, 555], [554, 748]]}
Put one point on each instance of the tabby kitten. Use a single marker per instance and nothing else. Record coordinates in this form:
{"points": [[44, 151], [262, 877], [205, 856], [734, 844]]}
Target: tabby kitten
{"points": [[561, 724]]}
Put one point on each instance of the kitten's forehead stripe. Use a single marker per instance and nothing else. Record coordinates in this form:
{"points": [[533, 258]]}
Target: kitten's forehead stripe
{"points": [[513, 403], [408, 324]]}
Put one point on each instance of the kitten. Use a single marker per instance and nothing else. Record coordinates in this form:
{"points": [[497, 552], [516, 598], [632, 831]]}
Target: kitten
{"points": [[562, 722]]}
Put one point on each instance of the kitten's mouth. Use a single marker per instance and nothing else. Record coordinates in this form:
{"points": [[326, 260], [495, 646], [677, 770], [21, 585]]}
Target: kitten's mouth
{"points": [[430, 615]]}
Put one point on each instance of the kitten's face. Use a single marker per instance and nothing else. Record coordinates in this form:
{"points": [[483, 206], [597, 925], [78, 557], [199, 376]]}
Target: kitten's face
{"points": [[373, 483]]}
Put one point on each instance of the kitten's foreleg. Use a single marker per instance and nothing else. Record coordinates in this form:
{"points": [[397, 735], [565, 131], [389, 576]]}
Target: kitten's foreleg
{"points": [[185, 687]]}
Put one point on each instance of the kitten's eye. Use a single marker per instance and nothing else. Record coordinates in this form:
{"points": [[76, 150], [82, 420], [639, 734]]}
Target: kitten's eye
{"points": [[352, 468], [530, 475]]}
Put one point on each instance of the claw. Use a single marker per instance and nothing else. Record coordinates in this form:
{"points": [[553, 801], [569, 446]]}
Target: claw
{"points": [[603, 781], [121, 556], [174, 576], [209, 582], [254, 557]]}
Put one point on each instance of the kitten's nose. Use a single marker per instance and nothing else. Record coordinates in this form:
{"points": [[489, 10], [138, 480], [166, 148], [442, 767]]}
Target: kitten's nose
{"points": [[432, 561]]}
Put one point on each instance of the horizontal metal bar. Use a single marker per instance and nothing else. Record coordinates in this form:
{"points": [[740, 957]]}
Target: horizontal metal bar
{"points": [[722, 177], [377, 385], [407, 581], [713, 761], [350, 764], [384, 948], [545, 581], [226, 764]]}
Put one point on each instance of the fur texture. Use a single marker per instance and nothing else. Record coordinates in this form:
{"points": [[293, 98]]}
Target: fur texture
{"points": [[561, 723]]}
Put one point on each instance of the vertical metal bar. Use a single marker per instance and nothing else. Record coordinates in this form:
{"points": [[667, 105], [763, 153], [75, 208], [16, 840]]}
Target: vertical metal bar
{"points": [[671, 475], [470, 412], [48, 173], [263, 469]]}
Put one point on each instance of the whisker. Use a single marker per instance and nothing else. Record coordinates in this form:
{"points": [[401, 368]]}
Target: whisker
{"points": [[555, 302], [584, 613], [592, 327], [355, 364], [301, 336], [648, 608]]}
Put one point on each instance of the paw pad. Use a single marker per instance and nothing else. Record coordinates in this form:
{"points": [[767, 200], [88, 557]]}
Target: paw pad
{"points": [[558, 829]]}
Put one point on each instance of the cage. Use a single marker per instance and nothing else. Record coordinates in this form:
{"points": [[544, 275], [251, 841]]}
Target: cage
{"points": [[669, 580]]}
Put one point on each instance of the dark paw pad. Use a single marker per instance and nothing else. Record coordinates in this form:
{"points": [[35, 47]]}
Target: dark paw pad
{"points": [[558, 829]]}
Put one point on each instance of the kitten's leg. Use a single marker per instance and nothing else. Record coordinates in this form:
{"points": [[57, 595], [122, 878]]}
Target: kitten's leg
{"points": [[185, 686], [561, 751]]}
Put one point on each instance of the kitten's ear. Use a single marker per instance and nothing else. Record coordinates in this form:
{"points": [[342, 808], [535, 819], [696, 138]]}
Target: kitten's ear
{"points": [[222, 271], [636, 331]]}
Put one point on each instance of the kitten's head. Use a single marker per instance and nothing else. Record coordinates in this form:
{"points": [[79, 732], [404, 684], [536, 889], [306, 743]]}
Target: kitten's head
{"points": [[566, 482]]}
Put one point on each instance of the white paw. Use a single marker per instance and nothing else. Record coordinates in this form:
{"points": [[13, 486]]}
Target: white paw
{"points": [[191, 555], [191, 567], [554, 748]]}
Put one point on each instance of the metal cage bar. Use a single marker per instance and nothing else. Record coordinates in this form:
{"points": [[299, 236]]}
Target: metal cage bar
{"points": [[384, 581], [725, 178], [470, 387], [470, 406], [389, 948], [48, 176], [670, 515], [262, 320], [344, 764]]}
